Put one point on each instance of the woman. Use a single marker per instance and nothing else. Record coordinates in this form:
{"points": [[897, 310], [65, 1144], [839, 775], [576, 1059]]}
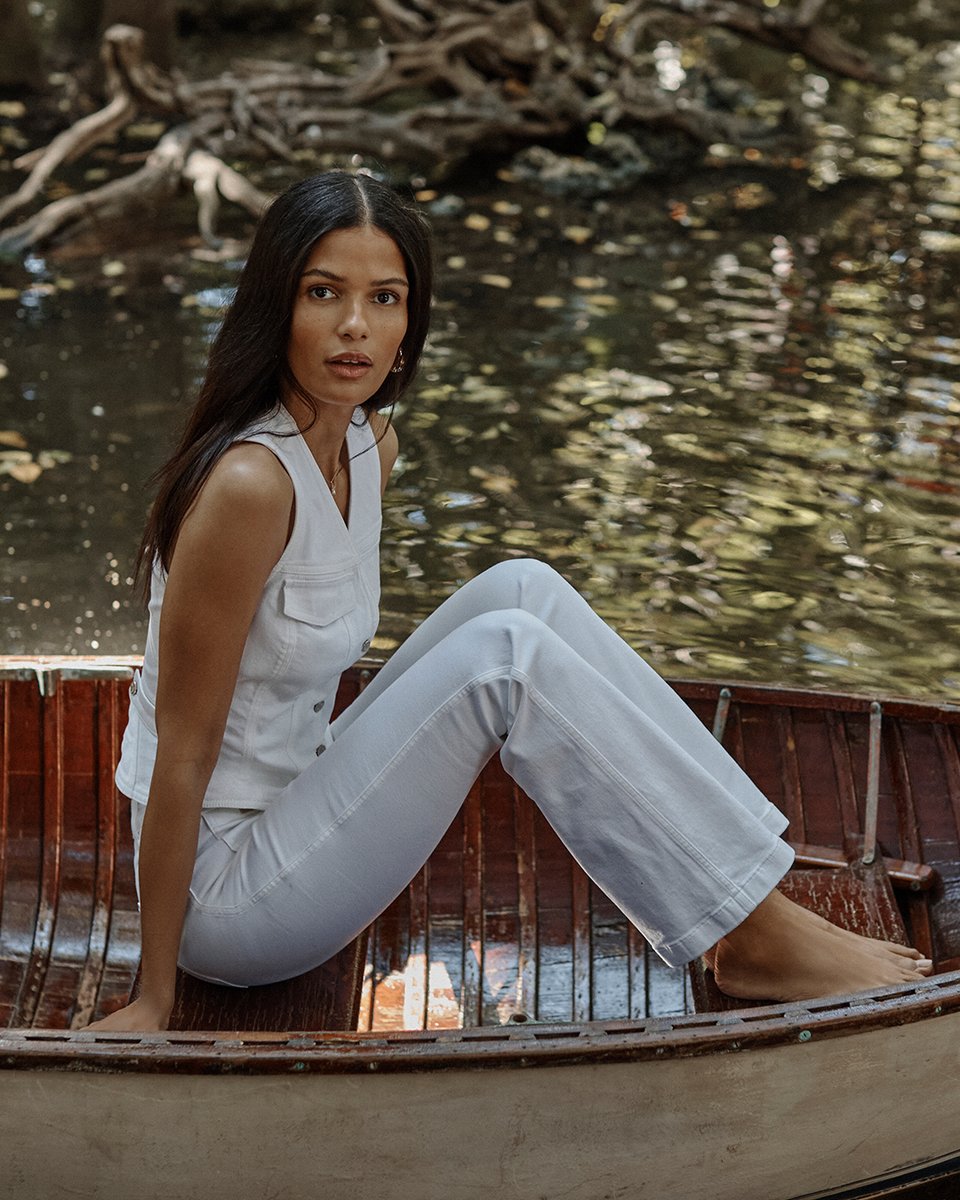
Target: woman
{"points": [[267, 838]]}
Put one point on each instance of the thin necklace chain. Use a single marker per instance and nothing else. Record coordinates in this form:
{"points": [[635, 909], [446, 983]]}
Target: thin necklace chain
{"points": [[332, 483]]}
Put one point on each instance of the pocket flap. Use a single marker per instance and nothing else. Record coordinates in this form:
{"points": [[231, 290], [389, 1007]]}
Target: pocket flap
{"points": [[318, 601]]}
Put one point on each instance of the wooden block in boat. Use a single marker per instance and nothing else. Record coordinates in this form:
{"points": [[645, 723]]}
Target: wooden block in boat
{"points": [[327, 997]]}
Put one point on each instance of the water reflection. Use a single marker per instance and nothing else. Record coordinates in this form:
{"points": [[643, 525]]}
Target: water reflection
{"points": [[726, 409]]}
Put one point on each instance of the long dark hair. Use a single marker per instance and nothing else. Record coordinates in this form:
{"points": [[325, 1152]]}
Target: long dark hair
{"points": [[248, 361]]}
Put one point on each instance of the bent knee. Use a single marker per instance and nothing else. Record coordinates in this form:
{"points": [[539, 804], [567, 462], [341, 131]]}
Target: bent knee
{"points": [[520, 573], [505, 635]]}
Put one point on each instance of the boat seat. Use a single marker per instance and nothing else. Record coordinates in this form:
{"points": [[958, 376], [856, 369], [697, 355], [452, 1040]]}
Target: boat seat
{"points": [[69, 926], [856, 896]]}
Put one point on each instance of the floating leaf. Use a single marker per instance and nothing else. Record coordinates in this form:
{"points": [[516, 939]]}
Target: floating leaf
{"points": [[720, 661], [506, 208], [940, 240], [497, 281], [8, 293], [456, 262], [498, 482], [51, 458], [477, 221], [12, 109], [23, 472], [10, 437], [114, 267], [769, 601], [4, 370], [578, 234], [549, 302], [589, 283]]}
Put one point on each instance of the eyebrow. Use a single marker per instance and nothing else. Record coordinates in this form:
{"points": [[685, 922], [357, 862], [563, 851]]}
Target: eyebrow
{"points": [[339, 278]]}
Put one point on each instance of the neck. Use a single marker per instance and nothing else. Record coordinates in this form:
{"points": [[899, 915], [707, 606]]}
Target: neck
{"points": [[325, 436]]}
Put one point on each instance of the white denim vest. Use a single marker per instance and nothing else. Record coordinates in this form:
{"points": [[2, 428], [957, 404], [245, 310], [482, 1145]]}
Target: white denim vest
{"points": [[317, 615]]}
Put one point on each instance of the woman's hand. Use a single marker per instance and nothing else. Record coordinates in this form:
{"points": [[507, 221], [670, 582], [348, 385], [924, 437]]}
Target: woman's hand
{"points": [[142, 1016]]}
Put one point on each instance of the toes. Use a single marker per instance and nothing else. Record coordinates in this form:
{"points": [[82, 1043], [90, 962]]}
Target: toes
{"points": [[906, 951]]}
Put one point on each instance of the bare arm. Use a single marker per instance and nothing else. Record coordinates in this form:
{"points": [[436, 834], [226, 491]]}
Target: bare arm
{"points": [[227, 546]]}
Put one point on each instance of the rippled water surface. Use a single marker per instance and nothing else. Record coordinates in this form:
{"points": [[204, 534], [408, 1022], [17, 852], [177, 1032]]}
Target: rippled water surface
{"points": [[727, 408]]}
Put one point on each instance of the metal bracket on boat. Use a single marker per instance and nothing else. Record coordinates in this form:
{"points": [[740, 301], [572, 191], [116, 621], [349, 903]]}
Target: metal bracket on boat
{"points": [[723, 711], [873, 786], [46, 680]]}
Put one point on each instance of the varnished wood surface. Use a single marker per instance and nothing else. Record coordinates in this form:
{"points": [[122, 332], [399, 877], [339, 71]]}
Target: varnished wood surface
{"points": [[500, 925]]}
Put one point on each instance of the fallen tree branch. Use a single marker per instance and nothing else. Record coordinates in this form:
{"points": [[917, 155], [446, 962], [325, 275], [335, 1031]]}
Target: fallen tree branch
{"points": [[144, 190], [211, 178], [792, 31], [479, 76], [121, 53]]}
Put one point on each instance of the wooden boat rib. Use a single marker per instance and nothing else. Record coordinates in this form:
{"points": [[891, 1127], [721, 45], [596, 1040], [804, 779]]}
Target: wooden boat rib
{"points": [[502, 998]]}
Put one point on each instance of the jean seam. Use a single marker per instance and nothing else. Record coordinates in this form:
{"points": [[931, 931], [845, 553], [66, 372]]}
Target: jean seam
{"points": [[630, 789]]}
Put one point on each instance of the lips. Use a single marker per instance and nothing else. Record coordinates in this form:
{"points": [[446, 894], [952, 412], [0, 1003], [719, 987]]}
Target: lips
{"points": [[350, 366], [353, 360]]}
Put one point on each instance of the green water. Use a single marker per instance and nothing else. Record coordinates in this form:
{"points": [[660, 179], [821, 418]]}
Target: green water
{"points": [[726, 407]]}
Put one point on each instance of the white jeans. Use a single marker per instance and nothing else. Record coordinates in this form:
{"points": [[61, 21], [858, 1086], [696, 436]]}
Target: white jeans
{"points": [[653, 809]]}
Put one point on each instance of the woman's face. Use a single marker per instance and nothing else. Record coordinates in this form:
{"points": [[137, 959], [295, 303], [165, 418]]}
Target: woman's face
{"points": [[349, 315]]}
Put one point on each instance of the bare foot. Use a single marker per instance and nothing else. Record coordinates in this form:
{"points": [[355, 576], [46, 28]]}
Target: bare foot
{"points": [[785, 952]]}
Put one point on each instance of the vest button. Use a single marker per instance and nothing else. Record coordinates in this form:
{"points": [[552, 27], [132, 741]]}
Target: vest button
{"points": [[320, 750], [133, 686], [365, 647], [318, 706]]}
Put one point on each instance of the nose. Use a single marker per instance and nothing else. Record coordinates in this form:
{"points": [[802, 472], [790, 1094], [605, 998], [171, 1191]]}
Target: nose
{"points": [[353, 323]]}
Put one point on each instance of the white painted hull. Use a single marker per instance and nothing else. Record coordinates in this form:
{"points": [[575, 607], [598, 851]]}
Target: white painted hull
{"points": [[764, 1123]]}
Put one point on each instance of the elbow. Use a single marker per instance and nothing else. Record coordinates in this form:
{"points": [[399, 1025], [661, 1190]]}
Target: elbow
{"points": [[184, 767]]}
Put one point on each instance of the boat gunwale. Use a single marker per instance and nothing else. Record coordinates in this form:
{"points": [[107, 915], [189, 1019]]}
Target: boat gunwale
{"points": [[528, 1044], [78, 667]]}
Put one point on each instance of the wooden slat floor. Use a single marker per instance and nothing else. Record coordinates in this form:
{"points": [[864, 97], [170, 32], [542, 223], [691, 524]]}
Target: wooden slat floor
{"points": [[500, 924]]}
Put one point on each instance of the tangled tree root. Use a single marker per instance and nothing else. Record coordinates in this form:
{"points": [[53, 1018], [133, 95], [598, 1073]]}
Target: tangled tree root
{"points": [[499, 77]]}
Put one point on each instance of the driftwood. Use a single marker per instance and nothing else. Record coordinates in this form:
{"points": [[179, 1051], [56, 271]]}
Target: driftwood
{"points": [[480, 77]]}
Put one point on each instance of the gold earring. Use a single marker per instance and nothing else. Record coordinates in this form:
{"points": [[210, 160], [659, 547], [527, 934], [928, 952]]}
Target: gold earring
{"points": [[398, 364]]}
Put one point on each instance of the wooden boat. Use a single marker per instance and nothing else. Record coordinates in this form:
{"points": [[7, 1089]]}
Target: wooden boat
{"points": [[502, 1030]]}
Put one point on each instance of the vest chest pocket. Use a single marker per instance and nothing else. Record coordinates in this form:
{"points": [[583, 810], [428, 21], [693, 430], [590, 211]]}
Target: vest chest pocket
{"points": [[320, 610]]}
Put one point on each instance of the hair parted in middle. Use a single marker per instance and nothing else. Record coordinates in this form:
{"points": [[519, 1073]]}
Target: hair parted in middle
{"points": [[247, 369]]}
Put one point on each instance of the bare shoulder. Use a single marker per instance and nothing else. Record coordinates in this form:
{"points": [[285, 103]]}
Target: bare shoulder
{"points": [[251, 476], [243, 507], [388, 445], [249, 469]]}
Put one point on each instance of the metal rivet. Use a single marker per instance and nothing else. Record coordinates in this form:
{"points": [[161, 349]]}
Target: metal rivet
{"points": [[805, 1035]]}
